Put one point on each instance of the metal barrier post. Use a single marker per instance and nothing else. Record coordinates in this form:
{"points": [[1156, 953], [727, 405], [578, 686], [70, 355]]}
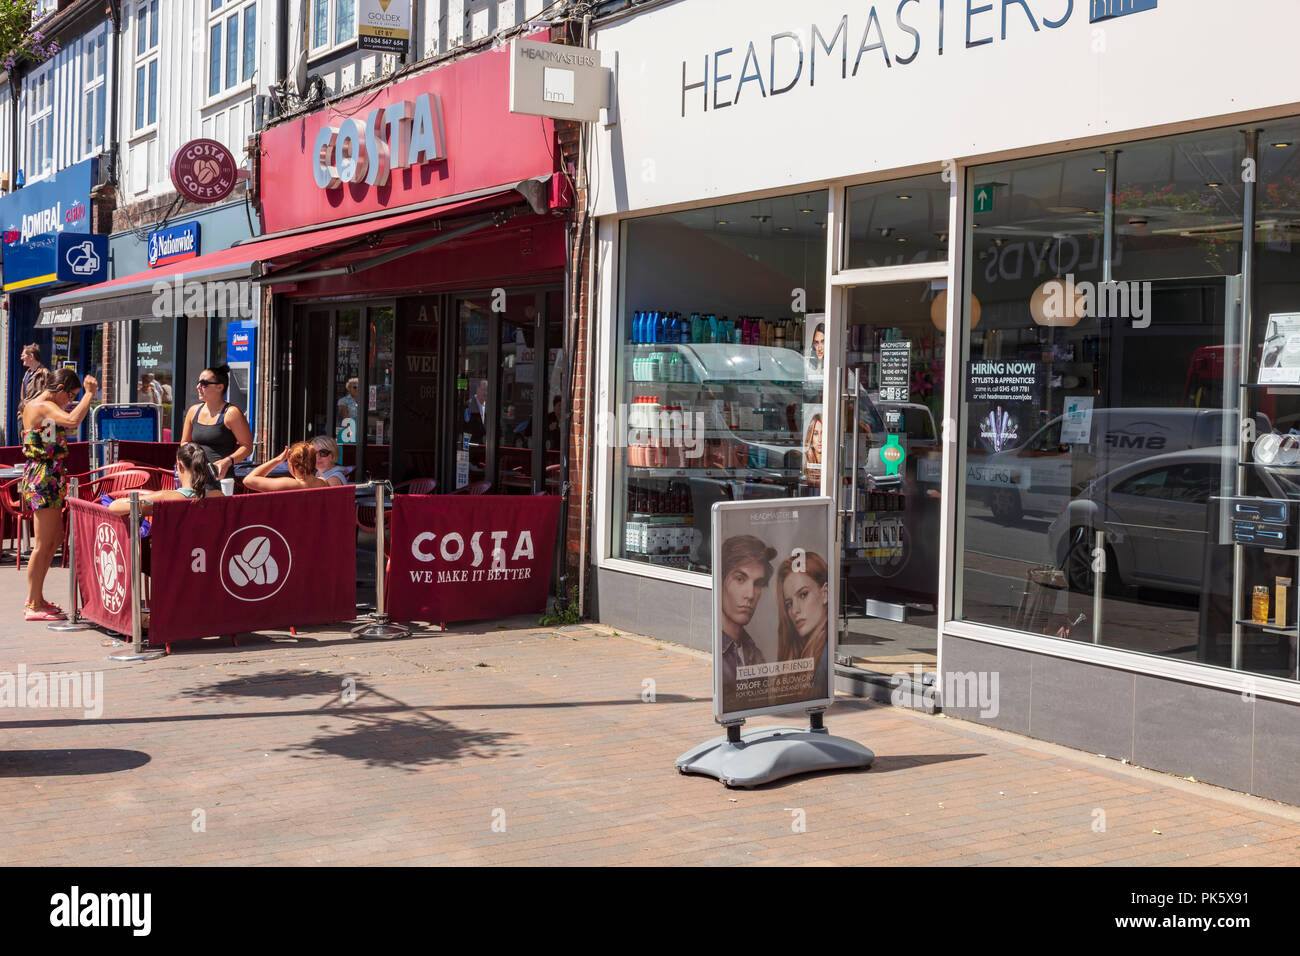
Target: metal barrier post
{"points": [[74, 621], [137, 652], [381, 629]]}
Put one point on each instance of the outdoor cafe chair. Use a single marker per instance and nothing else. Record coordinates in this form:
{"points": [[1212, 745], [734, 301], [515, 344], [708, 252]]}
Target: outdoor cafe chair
{"points": [[416, 486], [474, 488], [122, 483], [14, 517]]}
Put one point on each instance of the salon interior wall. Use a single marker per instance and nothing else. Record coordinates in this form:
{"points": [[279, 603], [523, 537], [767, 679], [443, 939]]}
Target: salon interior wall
{"points": [[992, 88]]}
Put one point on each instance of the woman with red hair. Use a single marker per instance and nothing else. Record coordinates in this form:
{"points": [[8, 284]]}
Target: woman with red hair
{"points": [[302, 471], [803, 612]]}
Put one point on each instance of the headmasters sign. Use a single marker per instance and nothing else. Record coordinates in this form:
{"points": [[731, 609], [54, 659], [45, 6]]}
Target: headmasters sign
{"points": [[562, 82], [863, 83]]}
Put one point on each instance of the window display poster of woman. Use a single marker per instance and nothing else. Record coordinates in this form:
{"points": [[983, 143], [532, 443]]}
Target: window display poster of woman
{"points": [[774, 641], [813, 430], [814, 351]]}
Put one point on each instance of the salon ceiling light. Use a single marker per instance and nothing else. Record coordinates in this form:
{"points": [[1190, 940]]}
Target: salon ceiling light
{"points": [[939, 311], [1057, 303], [805, 210], [1281, 145], [904, 196]]}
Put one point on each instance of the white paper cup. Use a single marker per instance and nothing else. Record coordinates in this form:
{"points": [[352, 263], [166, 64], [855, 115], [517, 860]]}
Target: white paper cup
{"points": [[228, 487]]}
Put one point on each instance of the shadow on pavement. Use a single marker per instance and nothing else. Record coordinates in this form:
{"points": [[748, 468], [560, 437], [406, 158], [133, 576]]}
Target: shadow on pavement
{"points": [[405, 744], [892, 762], [68, 763]]}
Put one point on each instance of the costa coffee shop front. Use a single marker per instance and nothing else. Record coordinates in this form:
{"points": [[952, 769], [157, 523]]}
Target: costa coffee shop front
{"points": [[1015, 284], [430, 345]]}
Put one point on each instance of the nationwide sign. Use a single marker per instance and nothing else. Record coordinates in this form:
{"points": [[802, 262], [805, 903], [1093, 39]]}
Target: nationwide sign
{"points": [[384, 25], [173, 244]]}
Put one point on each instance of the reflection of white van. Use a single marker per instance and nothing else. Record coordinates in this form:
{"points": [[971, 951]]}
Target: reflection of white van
{"points": [[1042, 475]]}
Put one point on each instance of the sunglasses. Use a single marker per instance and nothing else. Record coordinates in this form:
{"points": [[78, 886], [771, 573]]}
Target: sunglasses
{"points": [[204, 383]]}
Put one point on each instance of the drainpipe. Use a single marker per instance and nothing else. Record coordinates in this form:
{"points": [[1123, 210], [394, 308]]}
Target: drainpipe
{"points": [[115, 10], [282, 44]]}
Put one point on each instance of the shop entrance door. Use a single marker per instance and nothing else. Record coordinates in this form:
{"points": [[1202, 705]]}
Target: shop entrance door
{"points": [[887, 479]]}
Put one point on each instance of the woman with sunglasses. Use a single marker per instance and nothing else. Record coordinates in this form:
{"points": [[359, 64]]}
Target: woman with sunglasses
{"points": [[217, 426], [44, 483], [328, 468]]}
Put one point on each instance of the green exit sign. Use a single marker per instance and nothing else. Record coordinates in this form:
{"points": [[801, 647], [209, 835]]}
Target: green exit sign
{"points": [[984, 198]]}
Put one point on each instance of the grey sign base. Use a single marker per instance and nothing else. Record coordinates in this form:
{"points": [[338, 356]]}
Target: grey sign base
{"points": [[765, 754]]}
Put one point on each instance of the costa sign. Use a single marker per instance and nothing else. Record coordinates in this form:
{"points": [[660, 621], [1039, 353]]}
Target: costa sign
{"points": [[204, 171], [402, 134]]}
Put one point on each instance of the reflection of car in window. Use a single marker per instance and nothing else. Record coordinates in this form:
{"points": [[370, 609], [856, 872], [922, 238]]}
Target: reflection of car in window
{"points": [[1154, 517]]}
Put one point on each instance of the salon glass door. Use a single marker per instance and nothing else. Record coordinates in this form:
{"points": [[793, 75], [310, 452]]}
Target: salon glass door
{"points": [[887, 478]]}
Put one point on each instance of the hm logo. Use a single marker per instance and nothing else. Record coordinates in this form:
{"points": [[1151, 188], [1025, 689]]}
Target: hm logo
{"points": [[1110, 9]]}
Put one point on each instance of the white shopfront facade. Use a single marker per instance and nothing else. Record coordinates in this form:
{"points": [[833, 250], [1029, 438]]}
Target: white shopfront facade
{"points": [[821, 107]]}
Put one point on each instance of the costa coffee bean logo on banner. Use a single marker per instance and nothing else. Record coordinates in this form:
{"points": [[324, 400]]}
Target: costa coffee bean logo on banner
{"points": [[110, 568], [204, 171], [255, 563]]}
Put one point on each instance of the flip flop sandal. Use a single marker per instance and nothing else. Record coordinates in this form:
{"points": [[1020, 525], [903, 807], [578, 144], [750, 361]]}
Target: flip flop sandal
{"points": [[44, 615]]}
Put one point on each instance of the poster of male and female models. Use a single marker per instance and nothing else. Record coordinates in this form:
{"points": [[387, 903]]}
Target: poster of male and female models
{"points": [[774, 606]]}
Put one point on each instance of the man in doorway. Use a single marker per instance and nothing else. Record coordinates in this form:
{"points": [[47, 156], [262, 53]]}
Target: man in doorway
{"points": [[746, 571], [34, 379]]}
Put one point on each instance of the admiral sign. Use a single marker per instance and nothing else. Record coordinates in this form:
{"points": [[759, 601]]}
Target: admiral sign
{"points": [[44, 224], [173, 244]]}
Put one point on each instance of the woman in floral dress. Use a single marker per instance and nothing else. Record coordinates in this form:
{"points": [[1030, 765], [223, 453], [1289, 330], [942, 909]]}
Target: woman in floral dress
{"points": [[44, 483]]}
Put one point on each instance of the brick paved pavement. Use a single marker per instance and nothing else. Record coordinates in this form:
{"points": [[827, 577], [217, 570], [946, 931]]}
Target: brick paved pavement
{"points": [[545, 732]]}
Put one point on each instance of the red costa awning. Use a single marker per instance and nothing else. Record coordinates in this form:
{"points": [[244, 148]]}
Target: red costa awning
{"points": [[223, 281]]}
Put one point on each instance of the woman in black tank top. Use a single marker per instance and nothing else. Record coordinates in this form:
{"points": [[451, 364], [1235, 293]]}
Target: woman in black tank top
{"points": [[216, 426]]}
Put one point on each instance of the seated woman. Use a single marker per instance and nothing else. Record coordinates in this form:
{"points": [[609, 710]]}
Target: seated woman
{"points": [[302, 467], [194, 471], [328, 468]]}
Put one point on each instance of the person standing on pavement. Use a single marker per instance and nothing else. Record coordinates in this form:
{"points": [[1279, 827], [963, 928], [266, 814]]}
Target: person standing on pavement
{"points": [[35, 378], [217, 426], [44, 483]]}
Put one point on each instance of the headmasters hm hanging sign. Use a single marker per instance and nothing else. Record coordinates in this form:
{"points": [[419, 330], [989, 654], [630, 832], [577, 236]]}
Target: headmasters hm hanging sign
{"points": [[384, 25]]}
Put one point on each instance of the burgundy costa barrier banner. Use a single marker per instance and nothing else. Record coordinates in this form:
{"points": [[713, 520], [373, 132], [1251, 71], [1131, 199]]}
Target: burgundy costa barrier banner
{"points": [[226, 565], [466, 557], [103, 564]]}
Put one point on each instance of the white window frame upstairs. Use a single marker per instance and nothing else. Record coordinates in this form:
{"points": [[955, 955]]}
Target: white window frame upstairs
{"points": [[223, 17], [39, 94], [332, 42], [94, 92], [145, 65]]}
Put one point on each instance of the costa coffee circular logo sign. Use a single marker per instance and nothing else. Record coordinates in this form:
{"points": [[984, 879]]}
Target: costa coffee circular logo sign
{"points": [[110, 568], [204, 171], [255, 563]]}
